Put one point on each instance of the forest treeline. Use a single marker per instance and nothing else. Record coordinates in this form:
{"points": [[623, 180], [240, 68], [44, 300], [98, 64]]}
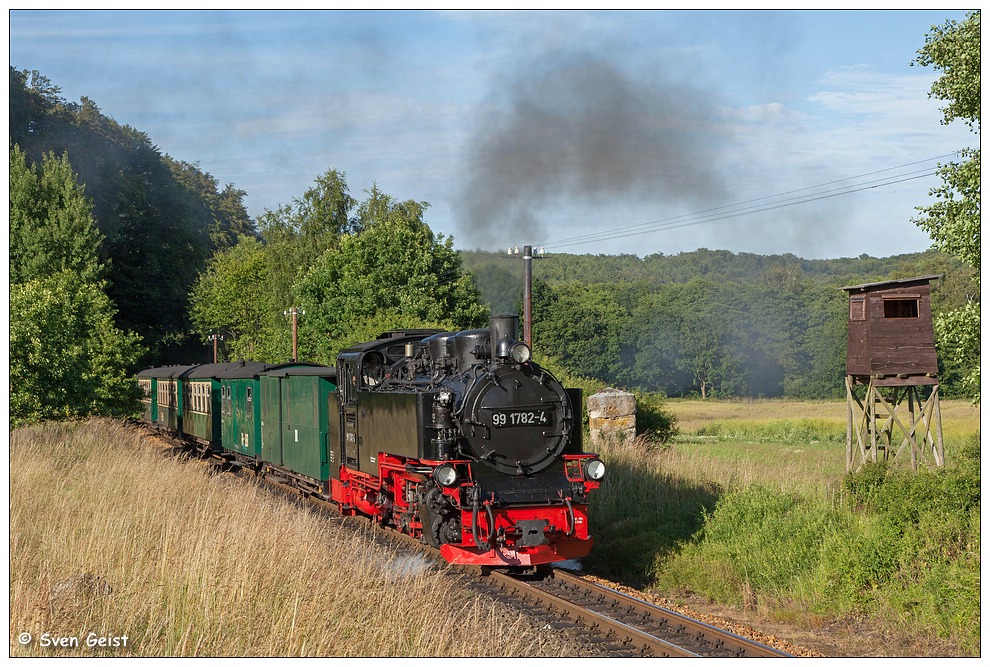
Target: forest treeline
{"points": [[709, 322]]}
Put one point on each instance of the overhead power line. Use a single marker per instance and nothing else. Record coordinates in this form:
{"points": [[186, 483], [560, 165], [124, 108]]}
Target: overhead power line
{"points": [[753, 206]]}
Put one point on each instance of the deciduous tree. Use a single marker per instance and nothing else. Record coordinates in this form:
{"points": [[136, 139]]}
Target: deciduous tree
{"points": [[51, 221], [953, 221], [67, 357], [233, 297], [395, 271]]}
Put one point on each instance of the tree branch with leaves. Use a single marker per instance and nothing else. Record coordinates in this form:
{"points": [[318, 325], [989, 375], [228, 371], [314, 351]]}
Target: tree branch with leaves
{"points": [[953, 221]]}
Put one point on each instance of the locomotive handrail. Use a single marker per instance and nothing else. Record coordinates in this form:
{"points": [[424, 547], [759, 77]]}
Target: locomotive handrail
{"points": [[474, 525], [488, 430], [571, 520]]}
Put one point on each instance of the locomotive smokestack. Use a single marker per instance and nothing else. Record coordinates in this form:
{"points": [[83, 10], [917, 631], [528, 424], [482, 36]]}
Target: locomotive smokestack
{"points": [[504, 326]]}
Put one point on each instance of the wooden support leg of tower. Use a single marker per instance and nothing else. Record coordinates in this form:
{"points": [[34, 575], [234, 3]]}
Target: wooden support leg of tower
{"points": [[849, 425], [937, 411], [926, 441], [871, 402], [857, 421], [909, 435], [914, 430], [931, 418]]}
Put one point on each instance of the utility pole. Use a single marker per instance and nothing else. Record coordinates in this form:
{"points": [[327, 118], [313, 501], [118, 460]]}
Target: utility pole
{"points": [[527, 258], [295, 312], [215, 337]]}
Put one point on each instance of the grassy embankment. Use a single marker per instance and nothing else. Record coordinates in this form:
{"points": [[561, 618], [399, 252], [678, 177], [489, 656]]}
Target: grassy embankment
{"points": [[751, 506], [109, 537]]}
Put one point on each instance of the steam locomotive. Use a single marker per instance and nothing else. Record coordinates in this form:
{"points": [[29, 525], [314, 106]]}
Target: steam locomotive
{"points": [[456, 438]]}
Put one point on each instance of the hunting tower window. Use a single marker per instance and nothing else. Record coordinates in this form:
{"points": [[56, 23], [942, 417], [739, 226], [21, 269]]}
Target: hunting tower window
{"points": [[857, 309], [900, 308]]}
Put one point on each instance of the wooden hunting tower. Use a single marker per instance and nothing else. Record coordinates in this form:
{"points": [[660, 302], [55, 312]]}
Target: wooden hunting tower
{"points": [[891, 352]]}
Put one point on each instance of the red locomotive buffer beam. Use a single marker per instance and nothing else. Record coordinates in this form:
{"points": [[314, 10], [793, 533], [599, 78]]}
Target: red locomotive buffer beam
{"points": [[522, 536]]}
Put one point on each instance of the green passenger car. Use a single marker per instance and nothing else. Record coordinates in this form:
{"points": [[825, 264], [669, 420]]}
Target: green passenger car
{"points": [[296, 421], [240, 408], [198, 413], [168, 398], [148, 384], [202, 402]]}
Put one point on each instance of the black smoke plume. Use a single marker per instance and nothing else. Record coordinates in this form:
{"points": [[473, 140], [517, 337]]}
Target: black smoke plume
{"points": [[577, 130]]}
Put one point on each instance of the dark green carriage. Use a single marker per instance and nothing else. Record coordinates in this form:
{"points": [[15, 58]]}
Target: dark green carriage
{"points": [[240, 408], [202, 402], [167, 405], [296, 420], [148, 383]]}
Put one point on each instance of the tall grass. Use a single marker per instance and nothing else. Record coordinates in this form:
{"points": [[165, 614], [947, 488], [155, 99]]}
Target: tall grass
{"points": [[751, 506], [898, 548], [109, 537], [642, 511]]}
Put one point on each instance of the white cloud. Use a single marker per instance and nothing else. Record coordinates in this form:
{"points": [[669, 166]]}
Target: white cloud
{"points": [[771, 112]]}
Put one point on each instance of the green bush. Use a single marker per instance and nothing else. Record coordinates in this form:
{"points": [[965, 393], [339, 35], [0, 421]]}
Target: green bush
{"points": [[903, 496], [761, 539], [653, 418], [898, 546]]}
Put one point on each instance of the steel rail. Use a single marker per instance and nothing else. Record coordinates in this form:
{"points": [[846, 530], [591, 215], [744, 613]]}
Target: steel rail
{"points": [[617, 614], [625, 634], [736, 644]]}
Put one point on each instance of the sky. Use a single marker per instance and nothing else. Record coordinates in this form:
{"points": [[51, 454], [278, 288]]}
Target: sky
{"points": [[602, 132]]}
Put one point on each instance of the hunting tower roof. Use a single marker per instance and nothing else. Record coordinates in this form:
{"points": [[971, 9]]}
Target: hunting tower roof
{"points": [[901, 281]]}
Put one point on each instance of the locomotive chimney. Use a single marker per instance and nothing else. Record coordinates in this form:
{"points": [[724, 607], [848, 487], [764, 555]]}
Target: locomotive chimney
{"points": [[504, 326]]}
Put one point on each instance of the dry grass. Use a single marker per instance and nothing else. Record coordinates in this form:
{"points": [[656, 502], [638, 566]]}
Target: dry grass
{"points": [[109, 537]]}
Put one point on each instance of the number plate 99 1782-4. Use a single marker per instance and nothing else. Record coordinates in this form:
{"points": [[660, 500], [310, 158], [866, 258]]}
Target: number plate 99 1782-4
{"points": [[502, 418]]}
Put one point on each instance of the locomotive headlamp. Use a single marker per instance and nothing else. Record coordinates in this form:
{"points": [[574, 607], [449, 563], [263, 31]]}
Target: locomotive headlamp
{"points": [[445, 475], [594, 469], [520, 353]]}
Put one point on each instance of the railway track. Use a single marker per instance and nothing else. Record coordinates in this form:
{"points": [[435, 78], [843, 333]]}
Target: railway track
{"points": [[615, 624], [628, 626]]}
